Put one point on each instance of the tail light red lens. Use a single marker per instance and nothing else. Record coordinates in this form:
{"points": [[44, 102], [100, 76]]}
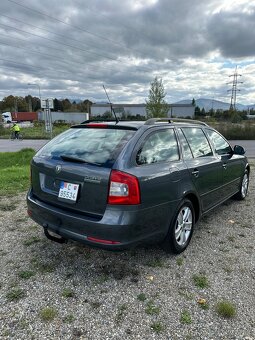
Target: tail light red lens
{"points": [[123, 189]]}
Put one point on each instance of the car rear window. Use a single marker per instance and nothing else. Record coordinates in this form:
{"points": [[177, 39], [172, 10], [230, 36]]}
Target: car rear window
{"points": [[99, 146]]}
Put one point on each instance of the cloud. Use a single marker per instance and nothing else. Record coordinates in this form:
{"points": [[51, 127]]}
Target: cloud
{"points": [[71, 48]]}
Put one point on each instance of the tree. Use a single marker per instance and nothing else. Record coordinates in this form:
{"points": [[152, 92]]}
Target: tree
{"points": [[156, 106]]}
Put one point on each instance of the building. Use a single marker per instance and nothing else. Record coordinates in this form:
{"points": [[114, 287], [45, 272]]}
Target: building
{"points": [[124, 110]]}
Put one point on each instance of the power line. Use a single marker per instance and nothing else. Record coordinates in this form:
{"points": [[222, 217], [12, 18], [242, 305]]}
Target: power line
{"points": [[55, 41], [51, 56], [68, 45], [57, 34], [69, 25]]}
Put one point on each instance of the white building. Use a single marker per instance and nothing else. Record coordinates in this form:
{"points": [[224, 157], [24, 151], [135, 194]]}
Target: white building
{"points": [[122, 110]]}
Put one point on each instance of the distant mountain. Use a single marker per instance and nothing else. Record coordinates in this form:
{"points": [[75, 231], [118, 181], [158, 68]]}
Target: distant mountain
{"points": [[208, 104]]}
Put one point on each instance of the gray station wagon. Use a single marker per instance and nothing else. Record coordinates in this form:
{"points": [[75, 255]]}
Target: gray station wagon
{"points": [[119, 184]]}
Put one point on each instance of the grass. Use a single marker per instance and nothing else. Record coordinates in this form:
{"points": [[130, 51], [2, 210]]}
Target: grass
{"points": [[68, 292], [15, 171], [200, 281], [155, 263], [36, 132], [226, 309], [121, 312], [26, 274], [31, 240], [185, 318], [157, 327], [141, 297], [242, 131], [179, 261], [15, 294], [69, 318], [48, 313], [151, 309]]}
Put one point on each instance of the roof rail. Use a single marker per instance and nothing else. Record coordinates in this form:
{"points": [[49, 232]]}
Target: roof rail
{"points": [[153, 121]]}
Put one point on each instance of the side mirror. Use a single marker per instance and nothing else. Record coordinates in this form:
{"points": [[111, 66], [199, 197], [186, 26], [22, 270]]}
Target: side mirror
{"points": [[239, 150]]}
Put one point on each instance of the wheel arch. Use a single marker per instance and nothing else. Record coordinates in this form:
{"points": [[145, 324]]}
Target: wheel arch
{"points": [[196, 205]]}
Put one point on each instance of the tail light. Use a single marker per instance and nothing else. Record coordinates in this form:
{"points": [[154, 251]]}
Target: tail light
{"points": [[124, 189]]}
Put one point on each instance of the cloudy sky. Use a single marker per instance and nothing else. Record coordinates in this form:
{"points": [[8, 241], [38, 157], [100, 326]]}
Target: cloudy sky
{"points": [[71, 48]]}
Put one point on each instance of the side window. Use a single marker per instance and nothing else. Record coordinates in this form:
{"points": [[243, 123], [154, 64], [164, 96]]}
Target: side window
{"points": [[187, 154], [220, 144], [198, 142], [160, 146]]}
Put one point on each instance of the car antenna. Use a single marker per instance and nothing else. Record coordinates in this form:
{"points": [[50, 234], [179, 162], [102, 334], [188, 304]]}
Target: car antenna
{"points": [[112, 109]]}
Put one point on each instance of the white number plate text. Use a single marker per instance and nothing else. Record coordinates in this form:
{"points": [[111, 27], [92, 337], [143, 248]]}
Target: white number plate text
{"points": [[68, 191]]}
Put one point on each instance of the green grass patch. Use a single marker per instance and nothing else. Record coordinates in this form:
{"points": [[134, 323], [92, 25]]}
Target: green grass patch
{"points": [[68, 292], [201, 281], [157, 327], [48, 313], [36, 132], [151, 309], [15, 171], [185, 318], [26, 274], [15, 294], [226, 309], [141, 297], [31, 240]]}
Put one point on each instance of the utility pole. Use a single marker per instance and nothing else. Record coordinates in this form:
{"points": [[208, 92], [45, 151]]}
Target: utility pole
{"points": [[234, 89]]}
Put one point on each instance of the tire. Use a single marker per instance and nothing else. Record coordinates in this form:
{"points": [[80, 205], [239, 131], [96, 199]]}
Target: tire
{"points": [[243, 190], [12, 137], [20, 137], [181, 229]]}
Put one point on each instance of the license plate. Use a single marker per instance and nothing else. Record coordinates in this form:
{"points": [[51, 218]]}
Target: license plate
{"points": [[68, 191]]}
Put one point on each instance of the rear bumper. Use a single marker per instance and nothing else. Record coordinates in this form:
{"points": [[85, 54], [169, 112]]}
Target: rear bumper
{"points": [[119, 228]]}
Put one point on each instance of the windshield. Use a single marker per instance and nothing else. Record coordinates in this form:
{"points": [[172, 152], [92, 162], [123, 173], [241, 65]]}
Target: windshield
{"points": [[91, 145]]}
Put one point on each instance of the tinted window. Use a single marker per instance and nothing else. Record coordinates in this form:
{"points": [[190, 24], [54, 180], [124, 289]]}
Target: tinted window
{"points": [[187, 154], [160, 146], [92, 145], [198, 142], [220, 144]]}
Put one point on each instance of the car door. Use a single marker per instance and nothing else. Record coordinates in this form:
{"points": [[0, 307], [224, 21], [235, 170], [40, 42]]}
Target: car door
{"points": [[231, 164], [204, 167], [159, 166]]}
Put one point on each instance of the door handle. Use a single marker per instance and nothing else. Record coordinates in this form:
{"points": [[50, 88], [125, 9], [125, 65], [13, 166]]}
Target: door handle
{"points": [[224, 165], [195, 173]]}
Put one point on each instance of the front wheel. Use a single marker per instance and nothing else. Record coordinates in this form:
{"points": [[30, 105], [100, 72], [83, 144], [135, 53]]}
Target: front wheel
{"points": [[181, 228], [243, 191]]}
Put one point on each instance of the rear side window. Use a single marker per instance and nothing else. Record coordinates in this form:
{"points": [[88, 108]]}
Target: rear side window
{"points": [[160, 146], [198, 142], [91, 145]]}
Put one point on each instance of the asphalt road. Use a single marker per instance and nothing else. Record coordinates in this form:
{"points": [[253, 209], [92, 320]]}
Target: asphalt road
{"points": [[16, 145], [8, 145]]}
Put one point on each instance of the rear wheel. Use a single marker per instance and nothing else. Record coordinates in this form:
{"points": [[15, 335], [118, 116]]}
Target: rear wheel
{"points": [[181, 228], [243, 191]]}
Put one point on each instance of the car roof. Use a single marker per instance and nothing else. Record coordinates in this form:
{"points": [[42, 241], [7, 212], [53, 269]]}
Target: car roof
{"points": [[135, 124]]}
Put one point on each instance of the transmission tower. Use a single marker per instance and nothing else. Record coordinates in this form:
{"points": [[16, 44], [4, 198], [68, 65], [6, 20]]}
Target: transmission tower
{"points": [[234, 89]]}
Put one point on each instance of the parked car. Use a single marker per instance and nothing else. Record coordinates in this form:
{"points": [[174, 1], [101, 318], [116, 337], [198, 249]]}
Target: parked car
{"points": [[119, 184]]}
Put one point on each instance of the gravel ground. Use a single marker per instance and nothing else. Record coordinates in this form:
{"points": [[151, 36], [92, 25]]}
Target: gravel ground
{"points": [[52, 291]]}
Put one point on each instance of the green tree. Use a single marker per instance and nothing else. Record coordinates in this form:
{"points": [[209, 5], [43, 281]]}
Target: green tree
{"points": [[197, 111], [156, 106]]}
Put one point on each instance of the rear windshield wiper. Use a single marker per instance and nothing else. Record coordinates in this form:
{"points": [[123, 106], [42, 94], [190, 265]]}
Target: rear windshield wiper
{"points": [[76, 159]]}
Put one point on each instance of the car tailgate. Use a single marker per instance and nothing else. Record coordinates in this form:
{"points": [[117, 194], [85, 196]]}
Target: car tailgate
{"points": [[91, 181]]}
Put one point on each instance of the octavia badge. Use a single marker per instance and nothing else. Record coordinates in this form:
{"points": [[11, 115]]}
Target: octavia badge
{"points": [[58, 169]]}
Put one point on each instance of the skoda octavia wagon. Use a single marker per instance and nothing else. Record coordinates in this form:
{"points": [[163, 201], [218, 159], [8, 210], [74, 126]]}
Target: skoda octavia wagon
{"points": [[119, 184]]}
